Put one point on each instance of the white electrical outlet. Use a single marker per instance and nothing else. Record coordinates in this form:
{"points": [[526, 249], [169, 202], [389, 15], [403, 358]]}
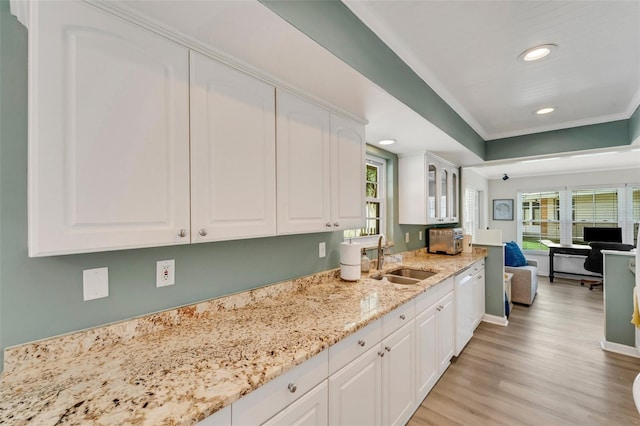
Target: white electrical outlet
{"points": [[95, 283], [406, 237], [322, 250], [165, 272], [420, 235]]}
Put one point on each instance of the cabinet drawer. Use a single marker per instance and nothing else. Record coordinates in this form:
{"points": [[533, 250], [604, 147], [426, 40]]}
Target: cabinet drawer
{"points": [[398, 317], [353, 346], [478, 266], [219, 418], [428, 298], [261, 404], [445, 287]]}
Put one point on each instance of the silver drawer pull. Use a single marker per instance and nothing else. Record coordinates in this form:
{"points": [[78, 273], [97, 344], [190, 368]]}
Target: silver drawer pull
{"points": [[381, 354], [182, 233], [336, 224], [362, 343], [328, 224], [292, 387], [387, 348], [402, 317], [203, 232]]}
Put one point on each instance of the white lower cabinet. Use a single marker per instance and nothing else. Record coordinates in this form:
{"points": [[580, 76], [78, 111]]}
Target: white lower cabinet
{"points": [[354, 392], [219, 418], [310, 410], [478, 295], [398, 376], [434, 336]]}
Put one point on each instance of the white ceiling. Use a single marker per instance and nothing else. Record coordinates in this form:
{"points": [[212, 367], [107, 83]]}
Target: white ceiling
{"points": [[467, 51], [249, 35]]}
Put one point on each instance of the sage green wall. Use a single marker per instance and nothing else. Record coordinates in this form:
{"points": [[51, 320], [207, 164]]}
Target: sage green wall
{"points": [[615, 133], [332, 25], [634, 126], [618, 288], [494, 280]]}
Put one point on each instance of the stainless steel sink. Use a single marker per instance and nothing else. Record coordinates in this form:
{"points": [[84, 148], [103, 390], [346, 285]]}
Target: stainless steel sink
{"points": [[396, 279], [412, 273]]}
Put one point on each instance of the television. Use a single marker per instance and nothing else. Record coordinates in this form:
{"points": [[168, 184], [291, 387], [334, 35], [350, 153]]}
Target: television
{"points": [[609, 235]]}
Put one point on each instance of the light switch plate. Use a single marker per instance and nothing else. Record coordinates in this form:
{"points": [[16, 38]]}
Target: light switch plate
{"points": [[95, 283], [406, 237], [420, 235], [165, 272], [322, 250]]}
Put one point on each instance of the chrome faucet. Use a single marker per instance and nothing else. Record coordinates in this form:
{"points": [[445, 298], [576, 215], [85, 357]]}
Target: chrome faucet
{"points": [[380, 253]]}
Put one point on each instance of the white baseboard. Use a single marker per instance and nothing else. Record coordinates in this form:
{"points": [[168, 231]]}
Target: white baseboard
{"points": [[494, 319], [619, 349]]}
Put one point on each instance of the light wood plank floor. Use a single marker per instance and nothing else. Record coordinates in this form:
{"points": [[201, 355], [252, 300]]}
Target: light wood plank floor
{"points": [[545, 368]]}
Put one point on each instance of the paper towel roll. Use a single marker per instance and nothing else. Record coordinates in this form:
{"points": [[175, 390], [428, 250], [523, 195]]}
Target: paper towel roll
{"points": [[350, 254], [350, 272]]}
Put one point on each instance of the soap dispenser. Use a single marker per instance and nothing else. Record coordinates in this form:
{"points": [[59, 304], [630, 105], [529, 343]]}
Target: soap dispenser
{"points": [[364, 262]]}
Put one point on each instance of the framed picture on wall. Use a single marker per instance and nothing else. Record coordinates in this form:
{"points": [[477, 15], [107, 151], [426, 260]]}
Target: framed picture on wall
{"points": [[503, 209]]}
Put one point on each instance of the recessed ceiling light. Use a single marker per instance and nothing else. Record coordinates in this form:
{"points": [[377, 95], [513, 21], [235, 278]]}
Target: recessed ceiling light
{"points": [[537, 52], [547, 110], [387, 141]]}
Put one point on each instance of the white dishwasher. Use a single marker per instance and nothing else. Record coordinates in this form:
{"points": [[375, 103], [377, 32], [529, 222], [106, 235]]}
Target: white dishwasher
{"points": [[464, 308]]}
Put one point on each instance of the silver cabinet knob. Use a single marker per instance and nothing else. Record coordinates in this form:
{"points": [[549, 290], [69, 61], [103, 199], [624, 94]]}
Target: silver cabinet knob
{"points": [[381, 354], [182, 233], [361, 343], [402, 317], [328, 225], [203, 232], [292, 387], [387, 348], [336, 224]]}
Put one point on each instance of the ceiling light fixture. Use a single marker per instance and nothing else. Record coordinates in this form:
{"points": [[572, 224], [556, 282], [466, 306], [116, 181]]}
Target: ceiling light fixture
{"points": [[387, 142], [537, 52], [546, 110]]}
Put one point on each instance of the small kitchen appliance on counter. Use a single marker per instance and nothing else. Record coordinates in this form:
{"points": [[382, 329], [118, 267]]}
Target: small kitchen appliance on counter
{"points": [[350, 261], [445, 240]]}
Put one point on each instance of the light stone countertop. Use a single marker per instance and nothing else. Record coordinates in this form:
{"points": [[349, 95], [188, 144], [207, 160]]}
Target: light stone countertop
{"points": [[182, 365]]}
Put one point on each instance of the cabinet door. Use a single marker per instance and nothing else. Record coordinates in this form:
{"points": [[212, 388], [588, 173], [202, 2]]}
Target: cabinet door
{"points": [[347, 173], [478, 297], [233, 163], [108, 133], [354, 392], [310, 410], [427, 353], [446, 331], [433, 201], [443, 192], [454, 195], [303, 165], [398, 376]]}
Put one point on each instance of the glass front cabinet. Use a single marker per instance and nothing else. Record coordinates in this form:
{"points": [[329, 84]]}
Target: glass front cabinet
{"points": [[429, 190]]}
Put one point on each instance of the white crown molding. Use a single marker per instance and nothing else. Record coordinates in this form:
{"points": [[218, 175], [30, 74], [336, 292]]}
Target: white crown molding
{"points": [[561, 126], [179, 37], [20, 9]]}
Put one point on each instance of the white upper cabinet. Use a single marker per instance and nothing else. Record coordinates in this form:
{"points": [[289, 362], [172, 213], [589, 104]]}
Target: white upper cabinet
{"points": [[320, 163], [428, 190], [233, 153], [347, 173], [108, 133]]}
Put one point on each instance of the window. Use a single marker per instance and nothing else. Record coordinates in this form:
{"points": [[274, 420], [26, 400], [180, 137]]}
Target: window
{"points": [[561, 216], [539, 219], [471, 210], [375, 200], [592, 208]]}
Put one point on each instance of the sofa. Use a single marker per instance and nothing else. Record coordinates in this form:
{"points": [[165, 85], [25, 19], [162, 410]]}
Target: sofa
{"points": [[524, 284]]}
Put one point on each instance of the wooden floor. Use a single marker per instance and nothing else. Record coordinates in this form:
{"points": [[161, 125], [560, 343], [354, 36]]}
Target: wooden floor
{"points": [[545, 368]]}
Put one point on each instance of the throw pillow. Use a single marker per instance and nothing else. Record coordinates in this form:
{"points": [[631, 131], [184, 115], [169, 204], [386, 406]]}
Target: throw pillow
{"points": [[513, 256]]}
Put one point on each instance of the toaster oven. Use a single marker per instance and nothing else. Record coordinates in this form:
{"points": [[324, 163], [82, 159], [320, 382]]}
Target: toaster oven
{"points": [[445, 240]]}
